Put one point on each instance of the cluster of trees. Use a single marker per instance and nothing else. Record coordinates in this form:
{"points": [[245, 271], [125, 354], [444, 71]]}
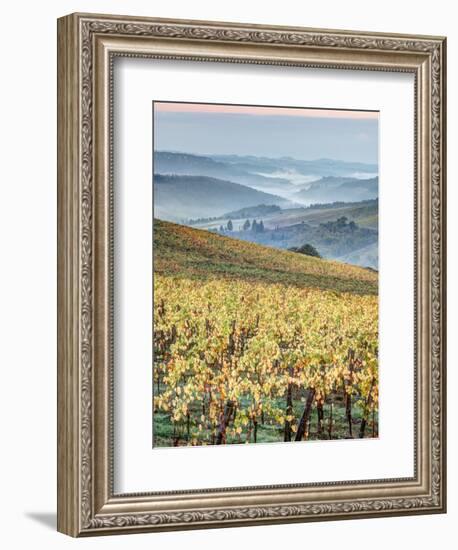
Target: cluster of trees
{"points": [[202, 220], [340, 225], [306, 249], [337, 204], [254, 226], [229, 227]]}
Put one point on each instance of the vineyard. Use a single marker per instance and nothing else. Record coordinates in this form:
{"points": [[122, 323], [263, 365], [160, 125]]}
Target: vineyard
{"points": [[242, 360]]}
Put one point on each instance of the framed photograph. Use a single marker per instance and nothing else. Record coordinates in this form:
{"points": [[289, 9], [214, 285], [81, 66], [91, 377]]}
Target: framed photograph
{"points": [[251, 289]]}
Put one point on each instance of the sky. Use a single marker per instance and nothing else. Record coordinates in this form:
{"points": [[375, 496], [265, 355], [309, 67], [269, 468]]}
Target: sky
{"points": [[300, 133]]}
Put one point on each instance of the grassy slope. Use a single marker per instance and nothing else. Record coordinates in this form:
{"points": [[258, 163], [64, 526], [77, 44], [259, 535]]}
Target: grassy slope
{"points": [[183, 251]]}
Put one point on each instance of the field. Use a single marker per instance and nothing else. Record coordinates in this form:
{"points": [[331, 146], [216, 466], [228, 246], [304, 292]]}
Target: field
{"points": [[199, 255], [255, 345]]}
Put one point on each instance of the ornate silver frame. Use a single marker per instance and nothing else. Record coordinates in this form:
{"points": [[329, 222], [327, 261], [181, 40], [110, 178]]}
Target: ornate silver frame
{"points": [[87, 45]]}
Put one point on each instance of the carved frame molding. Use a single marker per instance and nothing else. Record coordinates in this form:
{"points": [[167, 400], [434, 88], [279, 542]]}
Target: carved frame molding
{"points": [[87, 46]]}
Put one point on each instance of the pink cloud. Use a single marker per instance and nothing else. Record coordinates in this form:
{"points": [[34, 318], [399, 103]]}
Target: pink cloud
{"points": [[165, 107]]}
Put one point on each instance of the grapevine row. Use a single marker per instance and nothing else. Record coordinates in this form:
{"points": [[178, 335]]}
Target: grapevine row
{"points": [[232, 356]]}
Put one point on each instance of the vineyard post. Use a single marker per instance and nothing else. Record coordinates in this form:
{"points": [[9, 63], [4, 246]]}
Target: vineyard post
{"points": [[301, 429], [330, 420], [289, 406], [367, 406], [320, 416], [226, 414], [351, 357]]}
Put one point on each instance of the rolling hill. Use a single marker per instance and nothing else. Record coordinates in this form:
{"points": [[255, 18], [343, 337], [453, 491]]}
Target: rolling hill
{"points": [[331, 189], [178, 198], [319, 167], [167, 162], [186, 252], [334, 240], [313, 225], [364, 213], [282, 176]]}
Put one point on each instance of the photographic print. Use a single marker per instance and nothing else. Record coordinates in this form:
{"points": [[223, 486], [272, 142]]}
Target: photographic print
{"points": [[265, 268]]}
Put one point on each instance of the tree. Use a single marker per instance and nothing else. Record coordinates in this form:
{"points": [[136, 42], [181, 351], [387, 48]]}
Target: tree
{"points": [[306, 249], [261, 226], [246, 225], [342, 221], [230, 225], [221, 228]]}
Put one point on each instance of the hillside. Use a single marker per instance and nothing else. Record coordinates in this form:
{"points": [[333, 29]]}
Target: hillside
{"points": [[356, 244], [166, 162], [318, 168], [178, 198], [282, 176], [334, 239], [193, 253], [331, 189], [364, 213]]}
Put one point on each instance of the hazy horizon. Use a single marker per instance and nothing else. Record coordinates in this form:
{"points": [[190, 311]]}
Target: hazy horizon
{"points": [[283, 157], [271, 132]]}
